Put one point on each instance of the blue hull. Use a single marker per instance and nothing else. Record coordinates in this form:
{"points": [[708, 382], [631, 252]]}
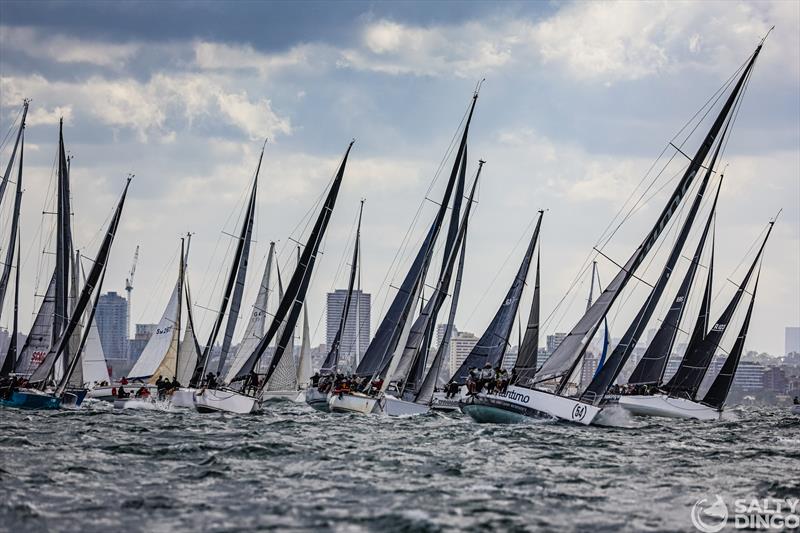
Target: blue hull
{"points": [[27, 400]]}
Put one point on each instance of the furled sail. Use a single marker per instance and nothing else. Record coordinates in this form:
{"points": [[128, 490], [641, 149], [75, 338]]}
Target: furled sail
{"points": [[258, 318], [687, 379], [718, 392], [564, 359], [289, 308], [491, 347], [611, 369], [653, 363]]}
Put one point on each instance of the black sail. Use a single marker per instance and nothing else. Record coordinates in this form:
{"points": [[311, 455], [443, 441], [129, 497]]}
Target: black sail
{"points": [[564, 360], [650, 368], [93, 281], [606, 376], [718, 392], [704, 315], [331, 363], [291, 304], [525, 365], [5, 277], [687, 379], [202, 362], [383, 344], [11, 355], [63, 245], [491, 347]]}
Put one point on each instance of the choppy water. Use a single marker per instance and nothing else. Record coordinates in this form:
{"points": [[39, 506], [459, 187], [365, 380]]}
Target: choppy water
{"points": [[293, 468]]}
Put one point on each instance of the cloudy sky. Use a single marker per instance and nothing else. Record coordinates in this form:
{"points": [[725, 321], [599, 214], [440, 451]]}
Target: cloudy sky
{"points": [[579, 100]]}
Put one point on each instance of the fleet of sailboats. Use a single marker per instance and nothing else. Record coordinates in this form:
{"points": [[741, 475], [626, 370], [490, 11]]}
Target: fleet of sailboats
{"points": [[400, 372]]}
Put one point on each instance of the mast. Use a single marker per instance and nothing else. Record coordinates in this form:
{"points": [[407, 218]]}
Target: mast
{"points": [[181, 274], [491, 347], [565, 358], [650, 369], [11, 355], [15, 217], [686, 381], [392, 328], [290, 305], [331, 363], [7, 174], [63, 246], [202, 363], [93, 281]]}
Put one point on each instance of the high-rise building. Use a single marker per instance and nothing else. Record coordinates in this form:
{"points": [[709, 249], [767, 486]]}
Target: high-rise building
{"points": [[112, 323], [460, 347], [588, 368], [554, 340], [358, 320], [139, 341], [440, 329], [792, 339]]}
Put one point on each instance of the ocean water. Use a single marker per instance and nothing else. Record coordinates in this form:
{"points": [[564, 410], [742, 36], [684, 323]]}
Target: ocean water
{"points": [[292, 468]]}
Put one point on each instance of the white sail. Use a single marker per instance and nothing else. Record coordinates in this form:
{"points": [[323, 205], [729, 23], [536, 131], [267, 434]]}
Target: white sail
{"points": [[255, 327], [285, 375], [77, 379], [304, 364], [160, 354], [93, 360], [37, 345]]}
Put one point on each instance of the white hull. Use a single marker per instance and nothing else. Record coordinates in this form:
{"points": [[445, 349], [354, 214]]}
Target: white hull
{"points": [[518, 404], [183, 398], [226, 401], [279, 395], [101, 393], [351, 403], [796, 409], [666, 406], [441, 403], [392, 406], [144, 404], [316, 399]]}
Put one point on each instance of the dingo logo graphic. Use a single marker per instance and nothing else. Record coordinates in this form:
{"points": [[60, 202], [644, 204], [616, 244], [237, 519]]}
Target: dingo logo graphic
{"points": [[579, 412], [710, 517]]}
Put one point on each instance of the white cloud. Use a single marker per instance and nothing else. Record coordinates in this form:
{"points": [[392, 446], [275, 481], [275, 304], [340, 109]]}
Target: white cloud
{"points": [[62, 49]]}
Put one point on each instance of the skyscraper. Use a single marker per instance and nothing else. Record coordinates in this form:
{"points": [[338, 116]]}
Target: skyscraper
{"points": [[112, 323], [792, 340], [460, 347], [360, 304]]}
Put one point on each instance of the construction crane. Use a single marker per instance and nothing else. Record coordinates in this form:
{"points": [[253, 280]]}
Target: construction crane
{"points": [[129, 284]]}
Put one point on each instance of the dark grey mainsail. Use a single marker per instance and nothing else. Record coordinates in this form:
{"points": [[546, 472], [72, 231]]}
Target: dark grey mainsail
{"points": [[5, 276], [606, 376], [202, 362], [11, 354], [704, 315], [63, 246], [7, 174], [492, 345], [291, 304], [525, 365], [241, 276], [331, 363], [380, 350], [93, 281], [718, 392], [651, 367], [37, 343], [563, 361], [687, 379]]}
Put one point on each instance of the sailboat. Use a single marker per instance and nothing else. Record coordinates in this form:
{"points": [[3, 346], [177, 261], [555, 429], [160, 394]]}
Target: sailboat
{"points": [[159, 358], [399, 339], [547, 393], [679, 397], [241, 395], [317, 396], [38, 394]]}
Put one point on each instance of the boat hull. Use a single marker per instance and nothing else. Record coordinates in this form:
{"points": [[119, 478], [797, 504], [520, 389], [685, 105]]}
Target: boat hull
{"points": [[441, 403], [32, 399], [316, 399], [796, 409], [518, 404], [225, 401], [279, 395], [351, 403], [392, 406], [665, 406], [143, 404], [105, 394], [183, 398]]}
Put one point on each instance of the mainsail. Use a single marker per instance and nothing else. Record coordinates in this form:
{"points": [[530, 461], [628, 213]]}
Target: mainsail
{"points": [[525, 365], [7, 173], [284, 378], [492, 345], [37, 343], [290, 305], [304, 369], [5, 276], [565, 358], [693, 367]]}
